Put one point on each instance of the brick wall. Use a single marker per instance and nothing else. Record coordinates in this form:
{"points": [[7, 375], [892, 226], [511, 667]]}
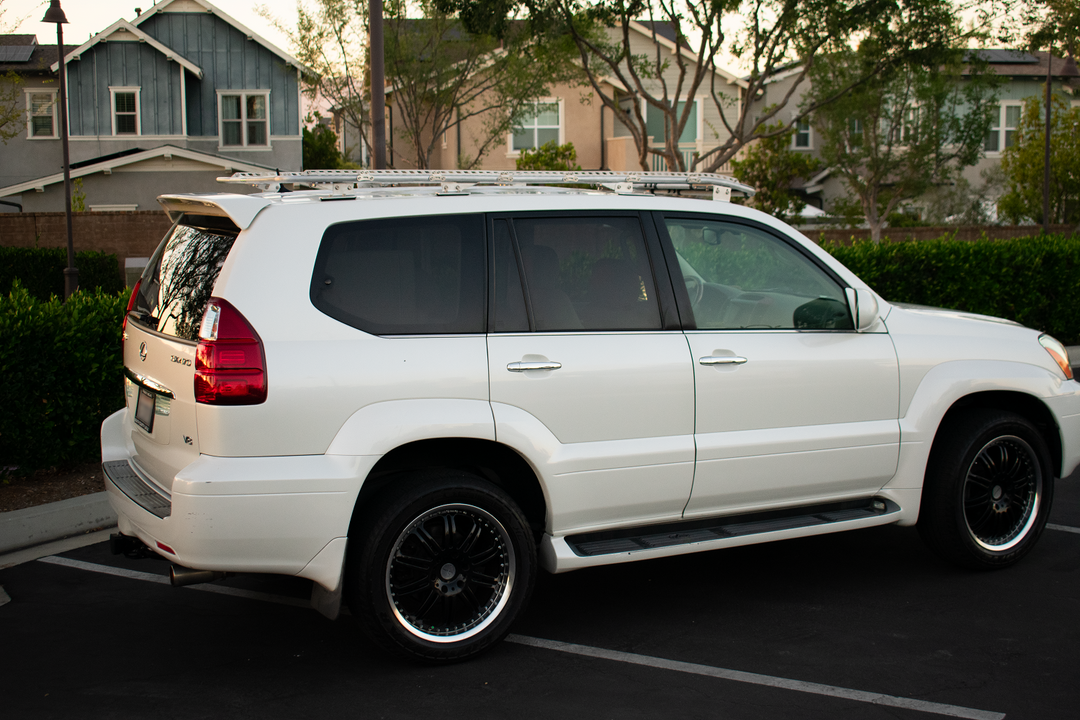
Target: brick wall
{"points": [[125, 234]]}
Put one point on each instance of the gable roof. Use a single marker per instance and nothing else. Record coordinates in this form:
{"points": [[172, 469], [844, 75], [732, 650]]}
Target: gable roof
{"points": [[665, 36], [194, 5], [118, 30], [132, 157]]}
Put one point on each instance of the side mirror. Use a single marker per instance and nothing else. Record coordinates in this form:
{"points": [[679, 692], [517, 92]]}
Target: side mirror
{"points": [[864, 308]]}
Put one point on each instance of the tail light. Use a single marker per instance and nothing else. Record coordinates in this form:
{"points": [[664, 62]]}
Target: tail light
{"points": [[230, 365], [131, 304]]}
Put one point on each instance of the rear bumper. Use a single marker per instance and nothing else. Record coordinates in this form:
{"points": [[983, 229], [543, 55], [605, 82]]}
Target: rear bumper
{"points": [[285, 515]]}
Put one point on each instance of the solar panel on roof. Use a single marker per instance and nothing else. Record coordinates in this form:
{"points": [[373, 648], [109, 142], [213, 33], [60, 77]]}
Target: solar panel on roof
{"points": [[16, 53], [1007, 57]]}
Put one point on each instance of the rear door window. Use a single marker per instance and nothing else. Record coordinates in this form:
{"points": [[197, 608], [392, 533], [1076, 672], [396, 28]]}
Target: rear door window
{"points": [[179, 279], [584, 272], [404, 276]]}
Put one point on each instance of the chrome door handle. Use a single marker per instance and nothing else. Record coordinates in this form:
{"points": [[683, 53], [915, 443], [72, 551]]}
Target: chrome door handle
{"points": [[721, 360], [523, 366]]}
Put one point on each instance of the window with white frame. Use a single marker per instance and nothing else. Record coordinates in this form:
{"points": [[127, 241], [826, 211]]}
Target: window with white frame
{"points": [[1003, 134], [41, 114], [1012, 122], [244, 119], [540, 126], [802, 134], [125, 111]]}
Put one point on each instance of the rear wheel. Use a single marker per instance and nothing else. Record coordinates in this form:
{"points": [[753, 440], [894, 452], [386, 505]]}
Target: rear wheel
{"points": [[441, 568], [988, 489]]}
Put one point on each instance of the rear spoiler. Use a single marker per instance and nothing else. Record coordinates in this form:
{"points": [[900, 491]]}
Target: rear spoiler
{"points": [[241, 209]]}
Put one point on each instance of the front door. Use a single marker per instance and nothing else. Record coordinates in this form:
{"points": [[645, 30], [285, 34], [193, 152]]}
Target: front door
{"points": [[793, 405]]}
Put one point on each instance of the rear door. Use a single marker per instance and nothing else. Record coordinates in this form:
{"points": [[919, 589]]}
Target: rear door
{"points": [[589, 372], [160, 339], [793, 405]]}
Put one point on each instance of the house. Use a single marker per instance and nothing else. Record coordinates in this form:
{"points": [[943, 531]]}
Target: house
{"points": [[571, 114], [167, 102], [1025, 75]]}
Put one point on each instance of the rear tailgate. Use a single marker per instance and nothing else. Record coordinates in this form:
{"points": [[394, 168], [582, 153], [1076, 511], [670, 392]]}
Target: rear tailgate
{"points": [[160, 342]]}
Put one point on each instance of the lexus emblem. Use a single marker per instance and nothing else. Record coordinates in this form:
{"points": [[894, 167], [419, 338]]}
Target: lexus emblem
{"points": [[142, 351]]}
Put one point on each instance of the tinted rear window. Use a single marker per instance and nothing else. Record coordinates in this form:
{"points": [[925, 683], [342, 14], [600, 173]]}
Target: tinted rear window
{"points": [[179, 279], [404, 276]]}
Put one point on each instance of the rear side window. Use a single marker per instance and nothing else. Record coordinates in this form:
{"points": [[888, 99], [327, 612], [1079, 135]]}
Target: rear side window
{"points": [[404, 276], [179, 279]]}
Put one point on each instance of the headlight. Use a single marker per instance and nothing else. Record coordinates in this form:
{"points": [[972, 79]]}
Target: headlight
{"points": [[1058, 352]]}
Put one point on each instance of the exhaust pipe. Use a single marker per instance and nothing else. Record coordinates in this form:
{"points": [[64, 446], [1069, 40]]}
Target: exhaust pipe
{"points": [[181, 576]]}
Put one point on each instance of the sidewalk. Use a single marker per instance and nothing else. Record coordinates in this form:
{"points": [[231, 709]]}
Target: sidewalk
{"points": [[75, 519]]}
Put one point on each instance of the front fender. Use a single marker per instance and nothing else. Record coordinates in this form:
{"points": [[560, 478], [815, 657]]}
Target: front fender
{"points": [[946, 384]]}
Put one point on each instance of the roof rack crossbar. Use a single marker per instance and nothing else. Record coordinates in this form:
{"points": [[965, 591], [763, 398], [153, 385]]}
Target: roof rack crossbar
{"points": [[638, 180]]}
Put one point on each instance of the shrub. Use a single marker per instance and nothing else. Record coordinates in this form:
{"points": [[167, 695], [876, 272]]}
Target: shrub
{"points": [[41, 270], [549, 156], [1034, 280], [63, 374]]}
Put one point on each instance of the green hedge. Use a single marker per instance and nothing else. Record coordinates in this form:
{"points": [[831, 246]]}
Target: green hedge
{"points": [[62, 375], [1034, 280], [41, 270]]}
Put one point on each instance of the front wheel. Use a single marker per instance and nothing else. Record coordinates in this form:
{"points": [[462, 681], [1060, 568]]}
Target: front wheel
{"points": [[988, 489], [440, 570]]}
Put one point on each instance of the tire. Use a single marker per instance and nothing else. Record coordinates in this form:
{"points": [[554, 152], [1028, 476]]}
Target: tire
{"points": [[441, 567], [988, 490]]}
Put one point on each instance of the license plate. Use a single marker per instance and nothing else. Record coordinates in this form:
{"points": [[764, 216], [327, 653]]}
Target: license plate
{"points": [[144, 409]]}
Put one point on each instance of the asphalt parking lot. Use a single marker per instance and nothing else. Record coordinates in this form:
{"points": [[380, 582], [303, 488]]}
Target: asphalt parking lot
{"points": [[866, 624]]}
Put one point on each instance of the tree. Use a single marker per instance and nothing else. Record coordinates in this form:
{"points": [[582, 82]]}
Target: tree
{"points": [[321, 149], [12, 119], [771, 166], [900, 134], [440, 75], [11, 115], [1024, 161], [773, 36]]}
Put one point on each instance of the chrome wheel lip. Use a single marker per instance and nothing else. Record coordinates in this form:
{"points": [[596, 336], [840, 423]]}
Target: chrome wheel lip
{"points": [[503, 594], [1033, 498]]}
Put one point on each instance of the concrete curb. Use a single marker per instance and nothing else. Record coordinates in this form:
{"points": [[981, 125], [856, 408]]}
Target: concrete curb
{"points": [[33, 526]]}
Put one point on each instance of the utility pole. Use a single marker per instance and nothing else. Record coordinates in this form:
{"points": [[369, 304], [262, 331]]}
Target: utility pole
{"points": [[378, 85], [1046, 158]]}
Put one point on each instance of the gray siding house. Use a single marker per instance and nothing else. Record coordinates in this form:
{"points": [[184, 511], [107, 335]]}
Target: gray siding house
{"points": [[165, 103]]}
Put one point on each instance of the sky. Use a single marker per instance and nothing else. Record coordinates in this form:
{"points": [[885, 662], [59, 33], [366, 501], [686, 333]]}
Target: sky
{"points": [[86, 17]]}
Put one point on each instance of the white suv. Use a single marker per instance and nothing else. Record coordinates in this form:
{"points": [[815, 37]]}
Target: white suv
{"points": [[415, 388]]}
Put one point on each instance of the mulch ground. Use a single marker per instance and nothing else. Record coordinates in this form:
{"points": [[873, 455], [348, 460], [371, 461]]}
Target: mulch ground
{"points": [[50, 485]]}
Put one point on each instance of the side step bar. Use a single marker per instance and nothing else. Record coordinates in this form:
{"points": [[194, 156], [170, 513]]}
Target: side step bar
{"points": [[669, 535], [149, 498]]}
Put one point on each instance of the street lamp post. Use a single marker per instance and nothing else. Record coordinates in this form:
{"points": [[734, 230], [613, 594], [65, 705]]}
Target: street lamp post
{"points": [[55, 14]]}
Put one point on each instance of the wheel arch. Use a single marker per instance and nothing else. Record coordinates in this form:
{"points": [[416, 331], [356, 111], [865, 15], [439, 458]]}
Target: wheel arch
{"points": [[487, 459], [1026, 406]]}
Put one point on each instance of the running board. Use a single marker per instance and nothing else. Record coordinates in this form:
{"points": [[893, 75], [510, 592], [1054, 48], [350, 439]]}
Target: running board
{"points": [[654, 537]]}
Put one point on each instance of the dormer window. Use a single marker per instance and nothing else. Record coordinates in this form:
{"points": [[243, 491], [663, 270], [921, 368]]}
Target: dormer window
{"points": [[244, 119], [125, 111]]}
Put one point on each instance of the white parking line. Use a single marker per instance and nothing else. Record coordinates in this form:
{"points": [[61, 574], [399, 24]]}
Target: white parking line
{"points": [[593, 652], [755, 679], [1063, 528], [162, 580]]}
